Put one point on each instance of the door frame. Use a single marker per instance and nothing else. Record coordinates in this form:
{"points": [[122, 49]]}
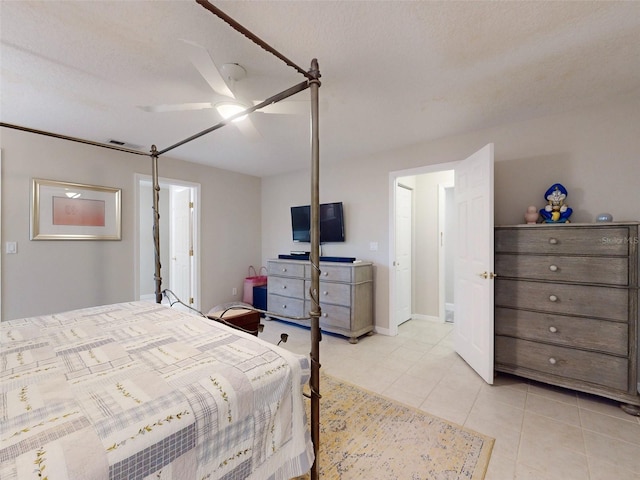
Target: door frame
{"points": [[442, 248], [164, 182], [393, 182]]}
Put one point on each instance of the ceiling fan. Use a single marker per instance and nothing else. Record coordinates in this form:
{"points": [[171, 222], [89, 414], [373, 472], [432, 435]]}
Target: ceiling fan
{"points": [[227, 102]]}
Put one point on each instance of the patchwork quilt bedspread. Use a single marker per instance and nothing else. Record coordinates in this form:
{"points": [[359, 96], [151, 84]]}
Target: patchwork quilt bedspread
{"points": [[140, 390]]}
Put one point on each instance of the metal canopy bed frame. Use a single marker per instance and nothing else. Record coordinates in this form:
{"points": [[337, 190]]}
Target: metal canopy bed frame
{"points": [[311, 82]]}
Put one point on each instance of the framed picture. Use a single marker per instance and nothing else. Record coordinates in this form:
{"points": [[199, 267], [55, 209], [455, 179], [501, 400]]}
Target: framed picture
{"points": [[72, 211]]}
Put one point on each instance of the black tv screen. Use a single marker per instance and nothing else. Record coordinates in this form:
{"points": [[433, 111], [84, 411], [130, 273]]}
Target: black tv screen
{"points": [[300, 223], [331, 223]]}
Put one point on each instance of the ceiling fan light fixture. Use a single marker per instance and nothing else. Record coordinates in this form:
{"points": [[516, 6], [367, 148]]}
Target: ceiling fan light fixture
{"points": [[229, 109]]}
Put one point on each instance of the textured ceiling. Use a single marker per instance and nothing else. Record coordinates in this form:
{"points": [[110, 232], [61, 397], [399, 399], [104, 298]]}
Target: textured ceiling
{"points": [[393, 73]]}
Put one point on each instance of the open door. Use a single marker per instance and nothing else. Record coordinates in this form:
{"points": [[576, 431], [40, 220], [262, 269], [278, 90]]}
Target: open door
{"points": [[473, 264], [403, 262], [180, 244]]}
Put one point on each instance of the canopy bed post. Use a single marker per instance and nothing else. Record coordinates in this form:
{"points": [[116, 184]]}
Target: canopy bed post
{"points": [[156, 221], [314, 257]]}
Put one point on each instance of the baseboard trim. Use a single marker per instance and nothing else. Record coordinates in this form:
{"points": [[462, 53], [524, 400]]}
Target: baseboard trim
{"points": [[415, 316], [428, 318], [382, 331]]}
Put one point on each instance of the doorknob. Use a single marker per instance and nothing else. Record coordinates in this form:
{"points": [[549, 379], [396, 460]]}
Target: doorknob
{"points": [[486, 275]]}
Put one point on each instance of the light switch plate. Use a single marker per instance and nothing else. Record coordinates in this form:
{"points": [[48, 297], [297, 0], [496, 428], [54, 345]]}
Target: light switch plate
{"points": [[11, 247]]}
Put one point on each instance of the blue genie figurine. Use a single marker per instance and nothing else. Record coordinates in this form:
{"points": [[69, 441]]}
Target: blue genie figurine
{"points": [[556, 211]]}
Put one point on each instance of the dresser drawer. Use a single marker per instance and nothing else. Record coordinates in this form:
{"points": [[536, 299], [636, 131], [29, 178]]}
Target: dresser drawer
{"points": [[604, 270], [335, 293], [334, 316], [563, 239], [293, 307], [591, 301], [290, 287], [597, 368], [333, 273], [585, 333], [288, 269]]}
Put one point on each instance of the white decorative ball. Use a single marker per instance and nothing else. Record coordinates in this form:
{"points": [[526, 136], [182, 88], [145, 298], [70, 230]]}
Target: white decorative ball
{"points": [[604, 217]]}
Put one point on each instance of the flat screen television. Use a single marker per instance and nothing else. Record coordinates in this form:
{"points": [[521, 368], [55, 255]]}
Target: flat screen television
{"points": [[331, 223]]}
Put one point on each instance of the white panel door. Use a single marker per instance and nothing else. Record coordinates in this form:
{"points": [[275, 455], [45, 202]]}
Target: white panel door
{"points": [[403, 262], [180, 270], [473, 288]]}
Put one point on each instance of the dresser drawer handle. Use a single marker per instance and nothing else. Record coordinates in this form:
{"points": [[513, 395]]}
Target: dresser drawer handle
{"points": [[553, 329], [553, 298], [325, 273], [553, 241], [284, 287], [284, 306], [553, 268], [325, 315], [325, 293], [552, 361]]}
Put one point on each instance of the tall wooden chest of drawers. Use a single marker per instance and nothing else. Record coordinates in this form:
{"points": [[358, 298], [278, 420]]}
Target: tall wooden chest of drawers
{"points": [[566, 306], [346, 294]]}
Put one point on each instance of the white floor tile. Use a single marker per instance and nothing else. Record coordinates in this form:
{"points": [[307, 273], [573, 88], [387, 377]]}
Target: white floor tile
{"points": [[542, 432]]}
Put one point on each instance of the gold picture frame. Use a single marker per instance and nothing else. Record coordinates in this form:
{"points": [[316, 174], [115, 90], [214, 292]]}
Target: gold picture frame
{"points": [[73, 211]]}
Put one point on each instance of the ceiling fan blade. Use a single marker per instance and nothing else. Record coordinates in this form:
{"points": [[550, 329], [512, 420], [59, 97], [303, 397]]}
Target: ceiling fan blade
{"points": [[178, 107], [248, 129], [201, 59]]}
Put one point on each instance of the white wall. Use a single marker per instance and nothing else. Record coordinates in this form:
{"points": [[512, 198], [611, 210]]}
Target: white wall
{"points": [[593, 152], [53, 276]]}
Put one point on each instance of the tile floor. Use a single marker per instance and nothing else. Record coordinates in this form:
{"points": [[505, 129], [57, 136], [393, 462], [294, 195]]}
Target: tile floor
{"points": [[541, 432]]}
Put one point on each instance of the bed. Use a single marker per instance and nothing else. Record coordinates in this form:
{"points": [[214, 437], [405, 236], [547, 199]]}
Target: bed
{"points": [[137, 389], [72, 381]]}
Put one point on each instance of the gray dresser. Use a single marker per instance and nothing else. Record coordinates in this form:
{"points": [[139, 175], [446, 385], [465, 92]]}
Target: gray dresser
{"points": [[346, 294], [566, 306]]}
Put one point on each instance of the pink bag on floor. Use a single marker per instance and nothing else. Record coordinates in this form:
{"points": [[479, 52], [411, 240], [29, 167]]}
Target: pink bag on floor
{"points": [[251, 281]]}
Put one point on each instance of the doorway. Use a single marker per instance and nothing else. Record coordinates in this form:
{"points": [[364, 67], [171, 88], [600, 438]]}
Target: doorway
{"points": [[473, 256], [179, 239], [430, 269]]}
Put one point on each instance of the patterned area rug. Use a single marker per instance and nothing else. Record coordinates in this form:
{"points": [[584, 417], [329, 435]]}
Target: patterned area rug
{"points": [[366, 436]]}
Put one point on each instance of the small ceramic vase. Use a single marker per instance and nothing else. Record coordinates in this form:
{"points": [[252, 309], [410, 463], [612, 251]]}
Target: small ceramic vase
{"points": [[604, 217], [531, 215]]}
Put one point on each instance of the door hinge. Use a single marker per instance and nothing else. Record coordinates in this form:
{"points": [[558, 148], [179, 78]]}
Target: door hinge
{"points": [[190, 300], [191, 252], [190, 204]]}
